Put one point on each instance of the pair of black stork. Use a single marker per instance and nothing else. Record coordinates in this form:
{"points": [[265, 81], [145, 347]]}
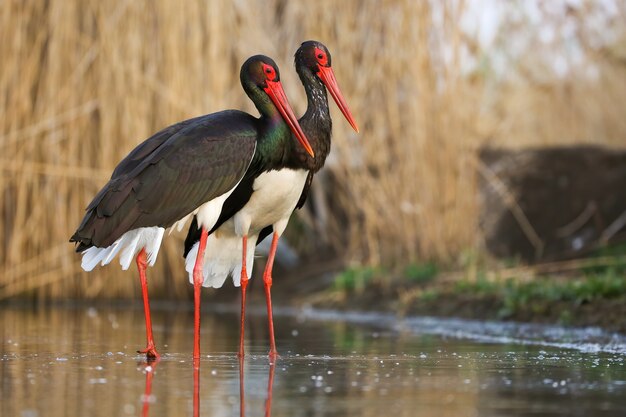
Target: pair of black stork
{"points": [[236, 176]]}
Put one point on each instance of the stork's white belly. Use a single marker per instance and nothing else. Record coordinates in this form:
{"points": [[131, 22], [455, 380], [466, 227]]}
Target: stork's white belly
{"points": [[274, 198], [275, 195]]}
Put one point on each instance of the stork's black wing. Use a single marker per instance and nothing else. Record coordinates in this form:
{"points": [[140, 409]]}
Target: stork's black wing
{"points": [[144, 149], [305, 190], [235, 202], [170, 175]]}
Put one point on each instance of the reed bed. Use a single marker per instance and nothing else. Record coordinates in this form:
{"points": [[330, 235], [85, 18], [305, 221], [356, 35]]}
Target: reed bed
{"points": [[83, 81]]}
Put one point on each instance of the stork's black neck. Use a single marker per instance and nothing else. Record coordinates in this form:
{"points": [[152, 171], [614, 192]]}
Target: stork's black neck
{"points": [[315, 122]]}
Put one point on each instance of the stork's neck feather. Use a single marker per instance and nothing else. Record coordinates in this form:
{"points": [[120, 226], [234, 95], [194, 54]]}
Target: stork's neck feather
{"points": [[262, 102], [316, 121], [317, 98], [274, 140]]}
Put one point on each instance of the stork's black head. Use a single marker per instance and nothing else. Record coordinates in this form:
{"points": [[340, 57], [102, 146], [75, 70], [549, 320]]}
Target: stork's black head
{"points": [[261, 79], [314, 57], [258, 70]]}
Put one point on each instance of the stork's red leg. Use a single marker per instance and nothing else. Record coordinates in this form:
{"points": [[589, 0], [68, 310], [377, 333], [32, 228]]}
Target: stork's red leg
{"points": [[244, 284], [142, 264], [267, 279], [197, 287]]}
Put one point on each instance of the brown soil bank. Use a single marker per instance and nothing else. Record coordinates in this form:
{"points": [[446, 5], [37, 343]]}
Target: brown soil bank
{"points": [[609, 314]]}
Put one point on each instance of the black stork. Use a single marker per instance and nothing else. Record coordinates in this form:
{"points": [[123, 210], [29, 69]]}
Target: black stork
{"points": [[264, 200], [185, 170]]}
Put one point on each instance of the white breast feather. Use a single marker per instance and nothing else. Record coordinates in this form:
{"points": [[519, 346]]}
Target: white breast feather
{"points": [[222, 258], [275, 196]]}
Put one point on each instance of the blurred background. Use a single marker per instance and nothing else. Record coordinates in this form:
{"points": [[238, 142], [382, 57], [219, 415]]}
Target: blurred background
{"points": [[492, 133]]}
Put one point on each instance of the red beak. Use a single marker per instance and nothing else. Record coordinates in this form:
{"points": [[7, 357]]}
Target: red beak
{"points": [[328, 77], [275, 91]]}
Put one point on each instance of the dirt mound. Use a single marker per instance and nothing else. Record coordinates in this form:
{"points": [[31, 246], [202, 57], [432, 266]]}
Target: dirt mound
{"points": [[552, 203]]}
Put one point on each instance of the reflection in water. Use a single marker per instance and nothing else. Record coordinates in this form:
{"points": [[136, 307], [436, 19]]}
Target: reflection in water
{"points": [[81, 362], [149, 369], [270, 387], [196, 387], [242, 391]]}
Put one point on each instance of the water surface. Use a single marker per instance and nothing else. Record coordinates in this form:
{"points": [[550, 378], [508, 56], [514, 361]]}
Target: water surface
{"points": [[82, 362]]}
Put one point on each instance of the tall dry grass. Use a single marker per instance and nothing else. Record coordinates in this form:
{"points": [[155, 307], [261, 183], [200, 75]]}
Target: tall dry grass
{"points": [[83, 81]]}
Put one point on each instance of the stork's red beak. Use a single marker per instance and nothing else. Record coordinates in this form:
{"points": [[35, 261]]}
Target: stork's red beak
{"points": [[328, 77], [275, 91]]}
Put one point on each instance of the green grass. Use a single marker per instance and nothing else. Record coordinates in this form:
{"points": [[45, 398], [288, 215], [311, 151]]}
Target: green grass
{"points": [[558, 295], [618, 252], [356, 278], [421, 272], [481, 286], [604, 283]]}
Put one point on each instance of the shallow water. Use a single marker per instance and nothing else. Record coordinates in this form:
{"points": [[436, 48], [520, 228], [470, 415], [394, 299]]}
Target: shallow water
{"points": [[81, 362]]}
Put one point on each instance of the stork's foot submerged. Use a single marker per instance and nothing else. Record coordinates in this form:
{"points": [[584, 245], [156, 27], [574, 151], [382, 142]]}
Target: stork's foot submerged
{"points": [[273, 355], [151, 352]]}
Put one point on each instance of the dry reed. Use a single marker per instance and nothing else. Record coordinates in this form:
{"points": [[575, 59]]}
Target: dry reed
{"points": [[82, 82]]}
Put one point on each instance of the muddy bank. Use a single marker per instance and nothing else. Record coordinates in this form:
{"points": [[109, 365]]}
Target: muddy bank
{"points": [[440, 300]]}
